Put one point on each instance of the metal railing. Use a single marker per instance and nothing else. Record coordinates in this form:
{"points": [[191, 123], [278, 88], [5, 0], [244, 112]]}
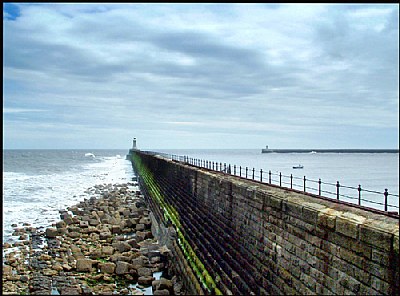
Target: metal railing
{"points": [[354, 195]]}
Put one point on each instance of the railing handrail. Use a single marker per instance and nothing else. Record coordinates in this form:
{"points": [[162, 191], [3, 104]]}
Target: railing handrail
{"points": [[250, 174]]}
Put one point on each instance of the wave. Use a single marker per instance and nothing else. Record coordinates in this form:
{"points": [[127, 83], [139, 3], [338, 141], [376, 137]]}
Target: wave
{"points": [[90, 155]]}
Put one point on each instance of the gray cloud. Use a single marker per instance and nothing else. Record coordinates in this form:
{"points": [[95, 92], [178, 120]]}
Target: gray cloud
{"points": [[230, 69]]}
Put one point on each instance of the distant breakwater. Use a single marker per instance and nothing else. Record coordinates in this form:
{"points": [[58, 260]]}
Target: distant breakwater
{"points": [[330, 150]]}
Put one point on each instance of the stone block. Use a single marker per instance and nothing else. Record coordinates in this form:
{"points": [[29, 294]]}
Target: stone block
{"points": [[310, 215], [376, 237], [122, 267], [51, 232], [84, 265], [292, 209], [276, 202], [108, 267], [140, 227], [347, 227], [107, 250], [326, 221], [61, 224], [84, 224]]}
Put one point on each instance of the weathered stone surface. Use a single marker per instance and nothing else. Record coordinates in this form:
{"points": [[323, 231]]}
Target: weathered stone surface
{"points": [[161, 292], [162, 284], [51, 232], [122, 246], [84, 264], [74, 234], [7, 269], [122, 267], [107, 250], [143, 271], [145, 280], [140, 227], [61, 224], [107, 267]]}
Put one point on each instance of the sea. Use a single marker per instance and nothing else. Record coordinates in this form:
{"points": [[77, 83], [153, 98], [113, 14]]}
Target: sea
{"points": [[37, 184]]}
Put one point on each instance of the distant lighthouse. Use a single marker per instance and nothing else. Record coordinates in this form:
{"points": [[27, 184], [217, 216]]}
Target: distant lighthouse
{"points": [[134, 143]]}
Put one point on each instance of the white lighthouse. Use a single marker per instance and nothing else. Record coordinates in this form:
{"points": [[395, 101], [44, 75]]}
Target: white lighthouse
{"points": [[134, 143]]}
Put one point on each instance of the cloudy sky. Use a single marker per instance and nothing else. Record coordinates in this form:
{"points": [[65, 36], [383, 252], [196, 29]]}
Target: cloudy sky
{"points": [[200, 76]]}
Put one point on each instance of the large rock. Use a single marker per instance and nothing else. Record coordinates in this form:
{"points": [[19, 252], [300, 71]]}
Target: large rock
{"points": [[122, 246], [108, 267], [144, 271], [145, 280], [161, 292], [162, 284], [84, 264], [107, 250], [104, 235], [139, 262], [61, 224], [83, 224], [122, 267], [51, 232]]}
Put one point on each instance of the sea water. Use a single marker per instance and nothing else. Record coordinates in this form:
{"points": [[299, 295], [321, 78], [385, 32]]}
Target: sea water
{"points": [[39, 183], [372, 171]]}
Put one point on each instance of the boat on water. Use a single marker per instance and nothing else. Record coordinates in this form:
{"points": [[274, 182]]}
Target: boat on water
{"points": [[298, 166]]}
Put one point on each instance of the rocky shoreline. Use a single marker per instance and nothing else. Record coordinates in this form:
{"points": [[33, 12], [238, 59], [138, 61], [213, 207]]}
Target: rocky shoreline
{"points": [[101, 246]]}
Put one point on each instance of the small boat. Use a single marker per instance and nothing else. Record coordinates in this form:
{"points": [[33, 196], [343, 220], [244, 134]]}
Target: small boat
{"points": [[298, 166]]}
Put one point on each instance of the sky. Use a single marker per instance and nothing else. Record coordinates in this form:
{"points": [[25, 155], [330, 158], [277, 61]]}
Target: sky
{"points": [[200, 76]]}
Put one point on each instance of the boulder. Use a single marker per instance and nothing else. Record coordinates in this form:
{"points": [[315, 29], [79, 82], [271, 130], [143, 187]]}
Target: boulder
{"points": [[83, 224], [84, 264], [116, 229], [107, 250], [145, 280], [108, 267], [104, 235], [144, 271], [122, 246], [61, 224], [161, 292], [162, 284], [51, 232], [122, 267], [140, 227]]}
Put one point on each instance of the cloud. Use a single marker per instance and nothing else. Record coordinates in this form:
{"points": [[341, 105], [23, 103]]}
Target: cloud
{"points": [[21, 110], [226, 68]]}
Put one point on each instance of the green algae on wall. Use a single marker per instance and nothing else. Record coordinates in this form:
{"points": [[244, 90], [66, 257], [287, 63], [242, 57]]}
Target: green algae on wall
{"points": [[172, 215]]}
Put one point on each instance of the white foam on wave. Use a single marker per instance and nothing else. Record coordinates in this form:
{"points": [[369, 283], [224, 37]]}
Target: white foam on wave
{"points": [[37, 199]]}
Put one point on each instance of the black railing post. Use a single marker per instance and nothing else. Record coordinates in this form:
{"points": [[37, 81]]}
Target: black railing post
{"points": [[304, 181], [337, 190], [261, 175], [269, 173], [386, 196], [280, 179], [240, 171], [224, 167], [319, 186], [234, 169], [229, 169], [359, 194], [246, 171], [291, 181], [253, 173]]}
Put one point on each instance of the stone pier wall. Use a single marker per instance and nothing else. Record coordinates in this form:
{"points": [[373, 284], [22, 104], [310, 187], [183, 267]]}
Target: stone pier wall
{"points": [[243, 237]]}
